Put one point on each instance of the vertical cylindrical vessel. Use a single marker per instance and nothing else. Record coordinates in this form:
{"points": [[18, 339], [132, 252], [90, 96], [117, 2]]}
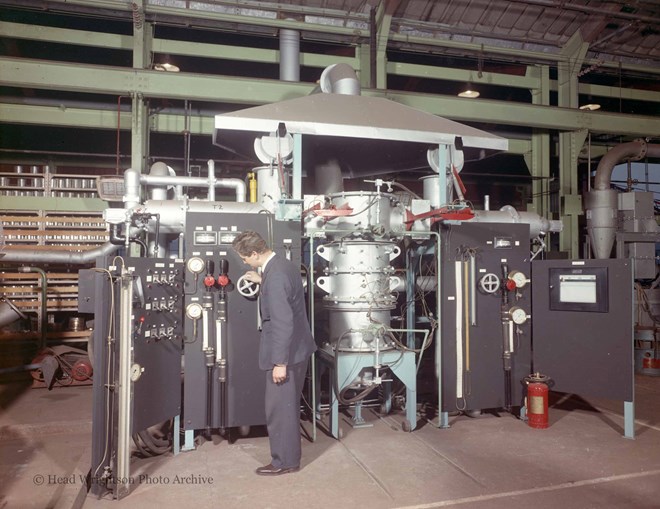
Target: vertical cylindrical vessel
{"points": [[359, 281], [269, 186], [537, 405]]}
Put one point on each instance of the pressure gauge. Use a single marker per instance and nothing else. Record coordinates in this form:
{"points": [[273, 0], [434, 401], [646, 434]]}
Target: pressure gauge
{"points": [[518, 315], [489, 283], [518, 277], [136, 372], [195, 265], [194, 310]]}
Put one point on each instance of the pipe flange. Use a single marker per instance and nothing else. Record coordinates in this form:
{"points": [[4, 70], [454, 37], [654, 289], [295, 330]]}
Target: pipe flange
{"points": [[643, 149]]}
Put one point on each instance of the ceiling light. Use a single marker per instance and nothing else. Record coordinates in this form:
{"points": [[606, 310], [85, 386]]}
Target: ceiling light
{"points": [[469, 92], [167, 67], [590, 107]]}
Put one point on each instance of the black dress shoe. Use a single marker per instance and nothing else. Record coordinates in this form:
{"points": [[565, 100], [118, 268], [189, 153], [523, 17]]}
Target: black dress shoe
{"points": [[271, 470]]}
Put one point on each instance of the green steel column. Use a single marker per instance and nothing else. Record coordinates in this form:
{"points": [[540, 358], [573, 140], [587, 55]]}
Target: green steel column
{"points": [[142, 39], [139, 133], [142, 42], [570, 144], [538, 160], [364, 58], [384, 22]]}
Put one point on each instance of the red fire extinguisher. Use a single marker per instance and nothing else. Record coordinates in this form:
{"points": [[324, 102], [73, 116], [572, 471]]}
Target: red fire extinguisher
{"points": [[537, 400]]}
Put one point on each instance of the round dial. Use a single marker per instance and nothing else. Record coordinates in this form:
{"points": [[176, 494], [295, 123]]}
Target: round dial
{"points": [[136, 372], [195, 265], [194, 310], [518, 277], [518, 315]]}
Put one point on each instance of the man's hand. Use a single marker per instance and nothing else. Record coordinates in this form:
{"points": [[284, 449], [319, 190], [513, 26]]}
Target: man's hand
{"points": [[251, 275], [279, 374]]}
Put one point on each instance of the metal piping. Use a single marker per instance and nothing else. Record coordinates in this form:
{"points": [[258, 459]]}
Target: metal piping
{"points": [[210, 182], [339, 79], [601, 204], [211, 177], [9, 312], [131, 196], [160, 169], [507, 214], [633, 151], [59, 257], [43, 314], [289, 55]]}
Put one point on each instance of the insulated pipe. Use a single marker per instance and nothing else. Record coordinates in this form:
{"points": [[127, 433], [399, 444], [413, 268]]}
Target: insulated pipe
{"points": [[231, 183], [61, 257], [133, 179], [131, 196], [339, 79], [159, 169], [289, 55], [422, 283], [508, 214]]}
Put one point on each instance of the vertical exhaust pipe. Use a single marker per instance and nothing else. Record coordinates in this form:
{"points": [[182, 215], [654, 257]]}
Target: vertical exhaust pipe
{"points": [[289, 55]]}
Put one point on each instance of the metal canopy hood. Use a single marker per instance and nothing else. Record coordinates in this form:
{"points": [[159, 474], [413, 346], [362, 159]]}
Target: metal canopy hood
{"points": [[365, 134]]}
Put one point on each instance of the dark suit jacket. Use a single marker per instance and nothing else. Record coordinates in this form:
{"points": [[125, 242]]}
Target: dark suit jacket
{"points": [[286, 337]]}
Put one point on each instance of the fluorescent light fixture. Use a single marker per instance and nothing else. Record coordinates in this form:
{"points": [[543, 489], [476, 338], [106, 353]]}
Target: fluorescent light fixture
{"points": [[167, 67], [469, 92], [590, 107]]}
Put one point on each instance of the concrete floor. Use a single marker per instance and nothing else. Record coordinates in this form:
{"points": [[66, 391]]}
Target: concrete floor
{"points": [[580, 462]]}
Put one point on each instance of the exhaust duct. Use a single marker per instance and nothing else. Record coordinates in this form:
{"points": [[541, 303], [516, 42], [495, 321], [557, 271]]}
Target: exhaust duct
{"points": [[600, 204]]}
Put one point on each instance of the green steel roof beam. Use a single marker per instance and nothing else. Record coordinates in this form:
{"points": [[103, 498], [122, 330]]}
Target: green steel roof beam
{"points": [[463, 75], [65, 36], [616, 92], [185, 48], [172, 123], [511, 113], [63, 117], [121, 81], [351, 33], [43, 74]]}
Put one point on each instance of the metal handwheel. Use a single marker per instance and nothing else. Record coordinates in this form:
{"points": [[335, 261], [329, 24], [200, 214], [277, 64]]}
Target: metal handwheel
{"points": [[246, 287], [490, 283]]}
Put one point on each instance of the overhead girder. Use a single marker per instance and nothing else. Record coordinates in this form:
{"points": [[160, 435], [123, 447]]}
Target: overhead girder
{"points": [[355, 29], [313, 60], [122, 81]]}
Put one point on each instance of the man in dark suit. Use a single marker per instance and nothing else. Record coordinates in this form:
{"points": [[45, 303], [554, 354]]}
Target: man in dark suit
{"points": [[285, 348]]}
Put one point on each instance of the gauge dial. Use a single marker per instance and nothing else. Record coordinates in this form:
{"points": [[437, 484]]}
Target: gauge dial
{"points": [[518, 315], [136, 372], [518, 277], [195, 265], [194, 310]]}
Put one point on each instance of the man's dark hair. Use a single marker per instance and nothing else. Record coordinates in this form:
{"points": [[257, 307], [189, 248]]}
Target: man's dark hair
{"points": [[248, 242]]}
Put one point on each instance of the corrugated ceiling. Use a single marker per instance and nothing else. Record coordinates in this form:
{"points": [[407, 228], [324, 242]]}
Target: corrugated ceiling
{"points": [[616, 30]]}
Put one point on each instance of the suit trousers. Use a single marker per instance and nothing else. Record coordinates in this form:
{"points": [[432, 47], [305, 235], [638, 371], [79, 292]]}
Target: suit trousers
{"points": [[283, 415]]}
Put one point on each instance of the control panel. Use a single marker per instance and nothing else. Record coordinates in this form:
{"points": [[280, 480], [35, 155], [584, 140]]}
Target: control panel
{"points": [[158, 301]]}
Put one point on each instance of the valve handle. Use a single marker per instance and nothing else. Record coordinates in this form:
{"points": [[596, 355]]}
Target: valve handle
{"points": [[489, 283], [246, 287]]}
